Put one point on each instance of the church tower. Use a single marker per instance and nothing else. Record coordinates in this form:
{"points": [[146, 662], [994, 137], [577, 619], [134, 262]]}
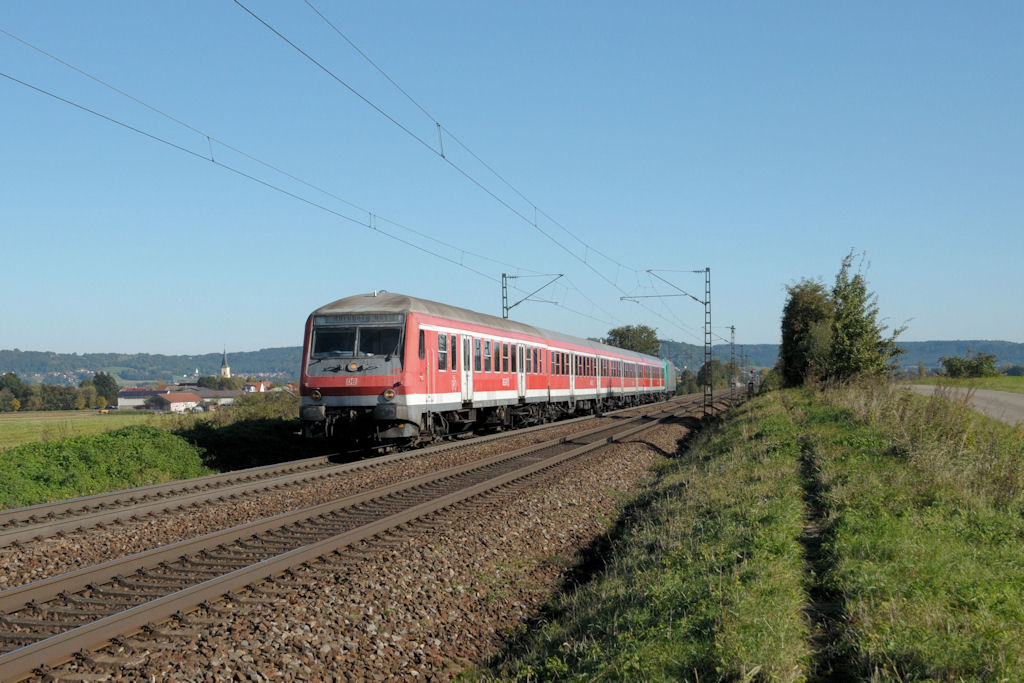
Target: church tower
{"points": [[225, 369]]}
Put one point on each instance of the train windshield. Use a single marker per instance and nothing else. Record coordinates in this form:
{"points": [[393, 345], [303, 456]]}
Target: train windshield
{"points": [[357, 341]]}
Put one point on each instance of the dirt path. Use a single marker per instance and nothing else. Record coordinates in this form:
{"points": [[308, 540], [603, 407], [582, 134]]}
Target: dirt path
{"points": [[1001, 405]]}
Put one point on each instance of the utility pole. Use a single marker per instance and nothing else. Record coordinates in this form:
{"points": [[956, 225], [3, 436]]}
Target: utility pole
{"points": [[504, 296], [505, 308], [732, 354], [709, 399], [708, 389]]}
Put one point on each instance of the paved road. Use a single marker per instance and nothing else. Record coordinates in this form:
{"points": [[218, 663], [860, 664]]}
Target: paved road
{"points": [[1001, 405]]}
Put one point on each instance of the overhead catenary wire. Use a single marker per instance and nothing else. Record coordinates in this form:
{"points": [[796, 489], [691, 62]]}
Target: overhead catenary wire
{"points": [[373, 220], [370, 224], [453, 136], [537, 210], [466, 174]]}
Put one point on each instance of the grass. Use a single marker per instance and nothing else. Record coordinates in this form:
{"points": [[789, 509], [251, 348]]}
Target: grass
{"points": [[854, 533], [28, 427], [50, 455], [928, 499], [704, 580], [83, 465], [1001, 383]]}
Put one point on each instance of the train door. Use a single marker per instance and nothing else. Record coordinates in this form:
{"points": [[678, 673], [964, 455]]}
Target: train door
{"points": [[520, 370], [573, 359], [467, 368], [430, 353]]}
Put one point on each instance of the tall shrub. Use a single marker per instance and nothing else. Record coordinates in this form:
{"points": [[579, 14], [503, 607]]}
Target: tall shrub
{"points": [[833, 335]]}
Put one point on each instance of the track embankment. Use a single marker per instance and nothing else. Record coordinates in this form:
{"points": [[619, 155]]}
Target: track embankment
{"points": [[849, 534], [424, 570]]}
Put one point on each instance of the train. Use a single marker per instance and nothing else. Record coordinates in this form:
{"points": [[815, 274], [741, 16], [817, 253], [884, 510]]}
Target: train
{"points": [[392, 369]]}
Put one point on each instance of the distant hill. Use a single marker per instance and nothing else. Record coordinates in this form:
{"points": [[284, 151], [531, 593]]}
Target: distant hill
{"points": [[46, 367], [927, 352], [282, 364], [691, 356]]}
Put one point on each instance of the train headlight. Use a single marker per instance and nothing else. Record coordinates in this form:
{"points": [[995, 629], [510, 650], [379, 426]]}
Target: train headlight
{"points": [[389, 394], [316, 394], [352, 367]]}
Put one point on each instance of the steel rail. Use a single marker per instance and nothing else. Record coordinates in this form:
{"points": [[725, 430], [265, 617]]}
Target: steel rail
{"points": [[21, 662], [48, 588], [67, 516], [130, 496]]}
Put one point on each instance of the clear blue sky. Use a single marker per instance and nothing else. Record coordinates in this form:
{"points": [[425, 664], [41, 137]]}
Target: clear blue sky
{"points": [[764, 140]]}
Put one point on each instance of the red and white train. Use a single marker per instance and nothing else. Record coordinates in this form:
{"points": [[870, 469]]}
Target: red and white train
{"points": [[391, 368]]}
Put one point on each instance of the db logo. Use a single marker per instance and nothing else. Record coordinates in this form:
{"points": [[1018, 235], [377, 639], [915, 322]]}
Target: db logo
{"points": [[351, 381]]}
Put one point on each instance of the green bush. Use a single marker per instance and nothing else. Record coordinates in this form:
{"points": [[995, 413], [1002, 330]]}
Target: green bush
{"points": [[79, 466]]}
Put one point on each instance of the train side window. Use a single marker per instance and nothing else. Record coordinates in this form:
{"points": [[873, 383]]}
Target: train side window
{"points": [[514, 352], [476, 355], [423, 345], [442, 352], [487, 355], [504, 356], [529, 361], [455, 356], [538, 363]]}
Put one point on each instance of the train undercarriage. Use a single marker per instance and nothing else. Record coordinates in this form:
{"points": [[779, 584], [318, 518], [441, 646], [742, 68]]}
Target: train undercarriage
{"points": [[366, 427]]}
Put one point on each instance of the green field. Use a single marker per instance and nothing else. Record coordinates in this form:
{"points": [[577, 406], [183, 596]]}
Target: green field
{"points": [[861, 533], [22, 428], [1001, 383]]}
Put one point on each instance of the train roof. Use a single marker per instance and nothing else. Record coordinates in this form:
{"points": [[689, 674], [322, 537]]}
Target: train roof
{"points": [[390, 302]]}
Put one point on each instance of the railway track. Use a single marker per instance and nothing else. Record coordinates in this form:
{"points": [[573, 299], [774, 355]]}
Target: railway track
{"points": [[46, 520], [50, 620]]}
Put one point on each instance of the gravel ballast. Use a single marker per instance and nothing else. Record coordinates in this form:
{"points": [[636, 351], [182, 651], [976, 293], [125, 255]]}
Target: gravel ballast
{"points": [[424, 603], [52, 556]]}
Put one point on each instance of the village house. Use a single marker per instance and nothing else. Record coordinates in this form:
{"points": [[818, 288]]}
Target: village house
{"points": [[134, 398], [183, 402]]}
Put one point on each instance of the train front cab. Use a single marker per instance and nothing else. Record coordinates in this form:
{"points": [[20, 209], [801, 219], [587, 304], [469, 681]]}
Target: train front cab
{"points": [[354, 376]]}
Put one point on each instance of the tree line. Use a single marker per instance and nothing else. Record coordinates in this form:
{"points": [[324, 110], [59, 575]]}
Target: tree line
{"points": [[16, 395], [644, 339]]}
